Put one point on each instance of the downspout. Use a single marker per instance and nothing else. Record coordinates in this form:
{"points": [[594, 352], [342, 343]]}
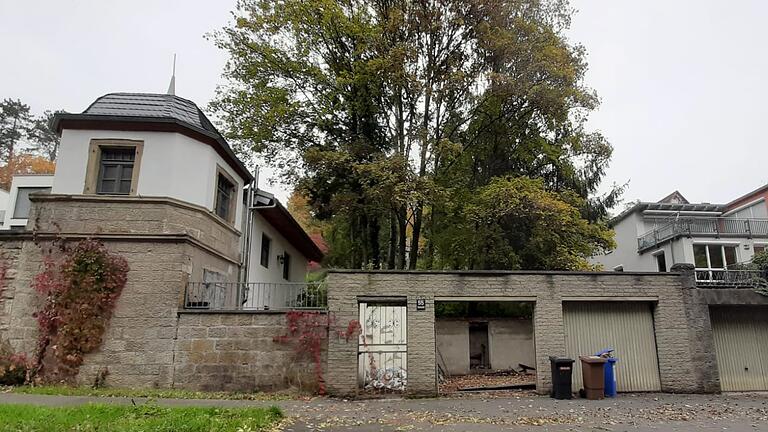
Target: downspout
{"points": [[672, 243], [248, 229]]}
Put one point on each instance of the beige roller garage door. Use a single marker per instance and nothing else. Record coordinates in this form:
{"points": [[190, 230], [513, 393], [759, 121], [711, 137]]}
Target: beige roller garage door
{"points": [[741, 344], [625, 326]]}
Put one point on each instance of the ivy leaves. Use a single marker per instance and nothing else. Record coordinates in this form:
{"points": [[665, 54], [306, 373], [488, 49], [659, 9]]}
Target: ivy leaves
{"points": [[80, 286]]}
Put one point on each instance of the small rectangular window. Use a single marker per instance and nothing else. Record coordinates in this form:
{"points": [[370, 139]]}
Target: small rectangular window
{"points": [[116, 171], [661, 262], [225, 191], [23, 205], [759, 249], [286, 266], [265, 246]]}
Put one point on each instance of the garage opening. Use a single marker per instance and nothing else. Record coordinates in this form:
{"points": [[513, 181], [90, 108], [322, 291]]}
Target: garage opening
{"points": [[741, 346], [625, 326], [485, 346]]}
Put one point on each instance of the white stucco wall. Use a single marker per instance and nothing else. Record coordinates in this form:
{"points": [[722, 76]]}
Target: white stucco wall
{"points": [[273, 274], [22, 181], [4, 195], [172, 165], [627, 230]]}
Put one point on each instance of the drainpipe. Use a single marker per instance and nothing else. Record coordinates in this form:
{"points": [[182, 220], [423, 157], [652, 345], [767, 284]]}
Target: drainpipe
{"points": [[248, 229]]}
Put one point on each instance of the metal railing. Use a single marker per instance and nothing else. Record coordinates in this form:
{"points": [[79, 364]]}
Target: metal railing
{"points": [[703, 226], [257, 296], [739, 278]]}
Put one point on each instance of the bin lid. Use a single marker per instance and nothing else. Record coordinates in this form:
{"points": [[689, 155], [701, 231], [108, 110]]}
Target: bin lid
{"points": [[561, 360], [592, 359], [605, 351]]}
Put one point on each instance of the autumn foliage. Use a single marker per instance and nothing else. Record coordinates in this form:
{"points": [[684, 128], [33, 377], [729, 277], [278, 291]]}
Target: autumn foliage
{"points": [[308, 331], [80, 286], [24, 164]]}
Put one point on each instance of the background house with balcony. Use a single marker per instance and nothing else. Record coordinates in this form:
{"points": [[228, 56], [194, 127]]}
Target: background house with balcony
{"points": [[653, 236]]}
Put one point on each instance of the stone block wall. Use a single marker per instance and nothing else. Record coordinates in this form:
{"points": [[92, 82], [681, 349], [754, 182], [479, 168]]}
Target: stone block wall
{"points": [[22, 259], [676, 345], [237, 352], [166, 243], [134, 216]]}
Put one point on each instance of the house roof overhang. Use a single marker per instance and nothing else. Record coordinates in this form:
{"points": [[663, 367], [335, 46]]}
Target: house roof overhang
{"points": [[280, 218], [741, 199], [652, 207]]}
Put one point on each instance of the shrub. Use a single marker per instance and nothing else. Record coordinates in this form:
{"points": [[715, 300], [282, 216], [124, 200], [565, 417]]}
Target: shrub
{"points": [[760, 263], [13, 366]]}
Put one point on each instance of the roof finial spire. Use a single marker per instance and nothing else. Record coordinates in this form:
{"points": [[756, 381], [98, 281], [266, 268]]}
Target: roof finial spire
{"points": [[172, 85]]}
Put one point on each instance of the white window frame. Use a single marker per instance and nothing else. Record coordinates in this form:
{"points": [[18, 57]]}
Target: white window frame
{"points": [[709, 269]]}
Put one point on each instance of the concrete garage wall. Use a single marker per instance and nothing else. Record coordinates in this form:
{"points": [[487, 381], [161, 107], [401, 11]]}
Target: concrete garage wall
{"points": [[452, 338], [670, 292], [510, 343]]}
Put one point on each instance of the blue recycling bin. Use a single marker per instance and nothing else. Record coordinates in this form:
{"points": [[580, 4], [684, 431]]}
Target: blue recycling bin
{"points": [[610, 377], [610, 372]]}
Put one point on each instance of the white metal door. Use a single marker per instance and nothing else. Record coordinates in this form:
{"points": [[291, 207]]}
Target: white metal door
{"points": [[382, 347], [741, 346], [627, 327]]}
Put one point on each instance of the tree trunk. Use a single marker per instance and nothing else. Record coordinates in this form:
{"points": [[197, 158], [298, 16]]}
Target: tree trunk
{"points": [[364, 246], [375, 249], [403, 237], [392, 244], [414, 255]]}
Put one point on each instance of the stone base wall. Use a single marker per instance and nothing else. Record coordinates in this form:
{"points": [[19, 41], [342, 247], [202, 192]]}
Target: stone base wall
{"points": [[22, 259], [150, 341], [167, 243], [237, 352]]}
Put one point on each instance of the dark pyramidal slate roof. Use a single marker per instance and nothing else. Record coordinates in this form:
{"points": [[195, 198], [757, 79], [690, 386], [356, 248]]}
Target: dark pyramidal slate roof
{"points": [[163, 112], [151, 105]]}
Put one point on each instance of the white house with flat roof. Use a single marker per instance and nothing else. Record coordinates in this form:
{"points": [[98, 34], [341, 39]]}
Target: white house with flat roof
{"points": [[653, 236], [16, 202]]}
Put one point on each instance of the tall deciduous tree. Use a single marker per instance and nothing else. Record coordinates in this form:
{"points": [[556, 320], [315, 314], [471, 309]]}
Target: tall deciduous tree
{"points": [[15, 122], [42, 137], [395, 116]]}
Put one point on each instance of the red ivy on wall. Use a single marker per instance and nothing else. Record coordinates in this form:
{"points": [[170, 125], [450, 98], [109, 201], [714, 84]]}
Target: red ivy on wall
{"points": [[80, 286], [3, 275], [308, 330]]}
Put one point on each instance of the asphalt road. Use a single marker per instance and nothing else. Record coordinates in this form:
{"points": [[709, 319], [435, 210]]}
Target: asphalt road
{"points": [[494, 412]]}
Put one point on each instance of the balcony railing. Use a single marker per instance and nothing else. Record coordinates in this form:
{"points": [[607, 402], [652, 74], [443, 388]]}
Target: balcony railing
{"points": [[721, 278], [259, 296], [703, 226]]}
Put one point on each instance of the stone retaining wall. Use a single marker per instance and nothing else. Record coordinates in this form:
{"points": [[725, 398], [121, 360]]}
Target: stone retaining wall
{"points": [[237, 352]]}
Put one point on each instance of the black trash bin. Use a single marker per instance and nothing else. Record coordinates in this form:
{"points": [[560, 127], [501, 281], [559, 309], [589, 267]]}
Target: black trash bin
{"points": [[562, 369]]}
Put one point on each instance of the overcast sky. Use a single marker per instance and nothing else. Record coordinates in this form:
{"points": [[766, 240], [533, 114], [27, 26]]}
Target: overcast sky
{"points": [[681, 82]]}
